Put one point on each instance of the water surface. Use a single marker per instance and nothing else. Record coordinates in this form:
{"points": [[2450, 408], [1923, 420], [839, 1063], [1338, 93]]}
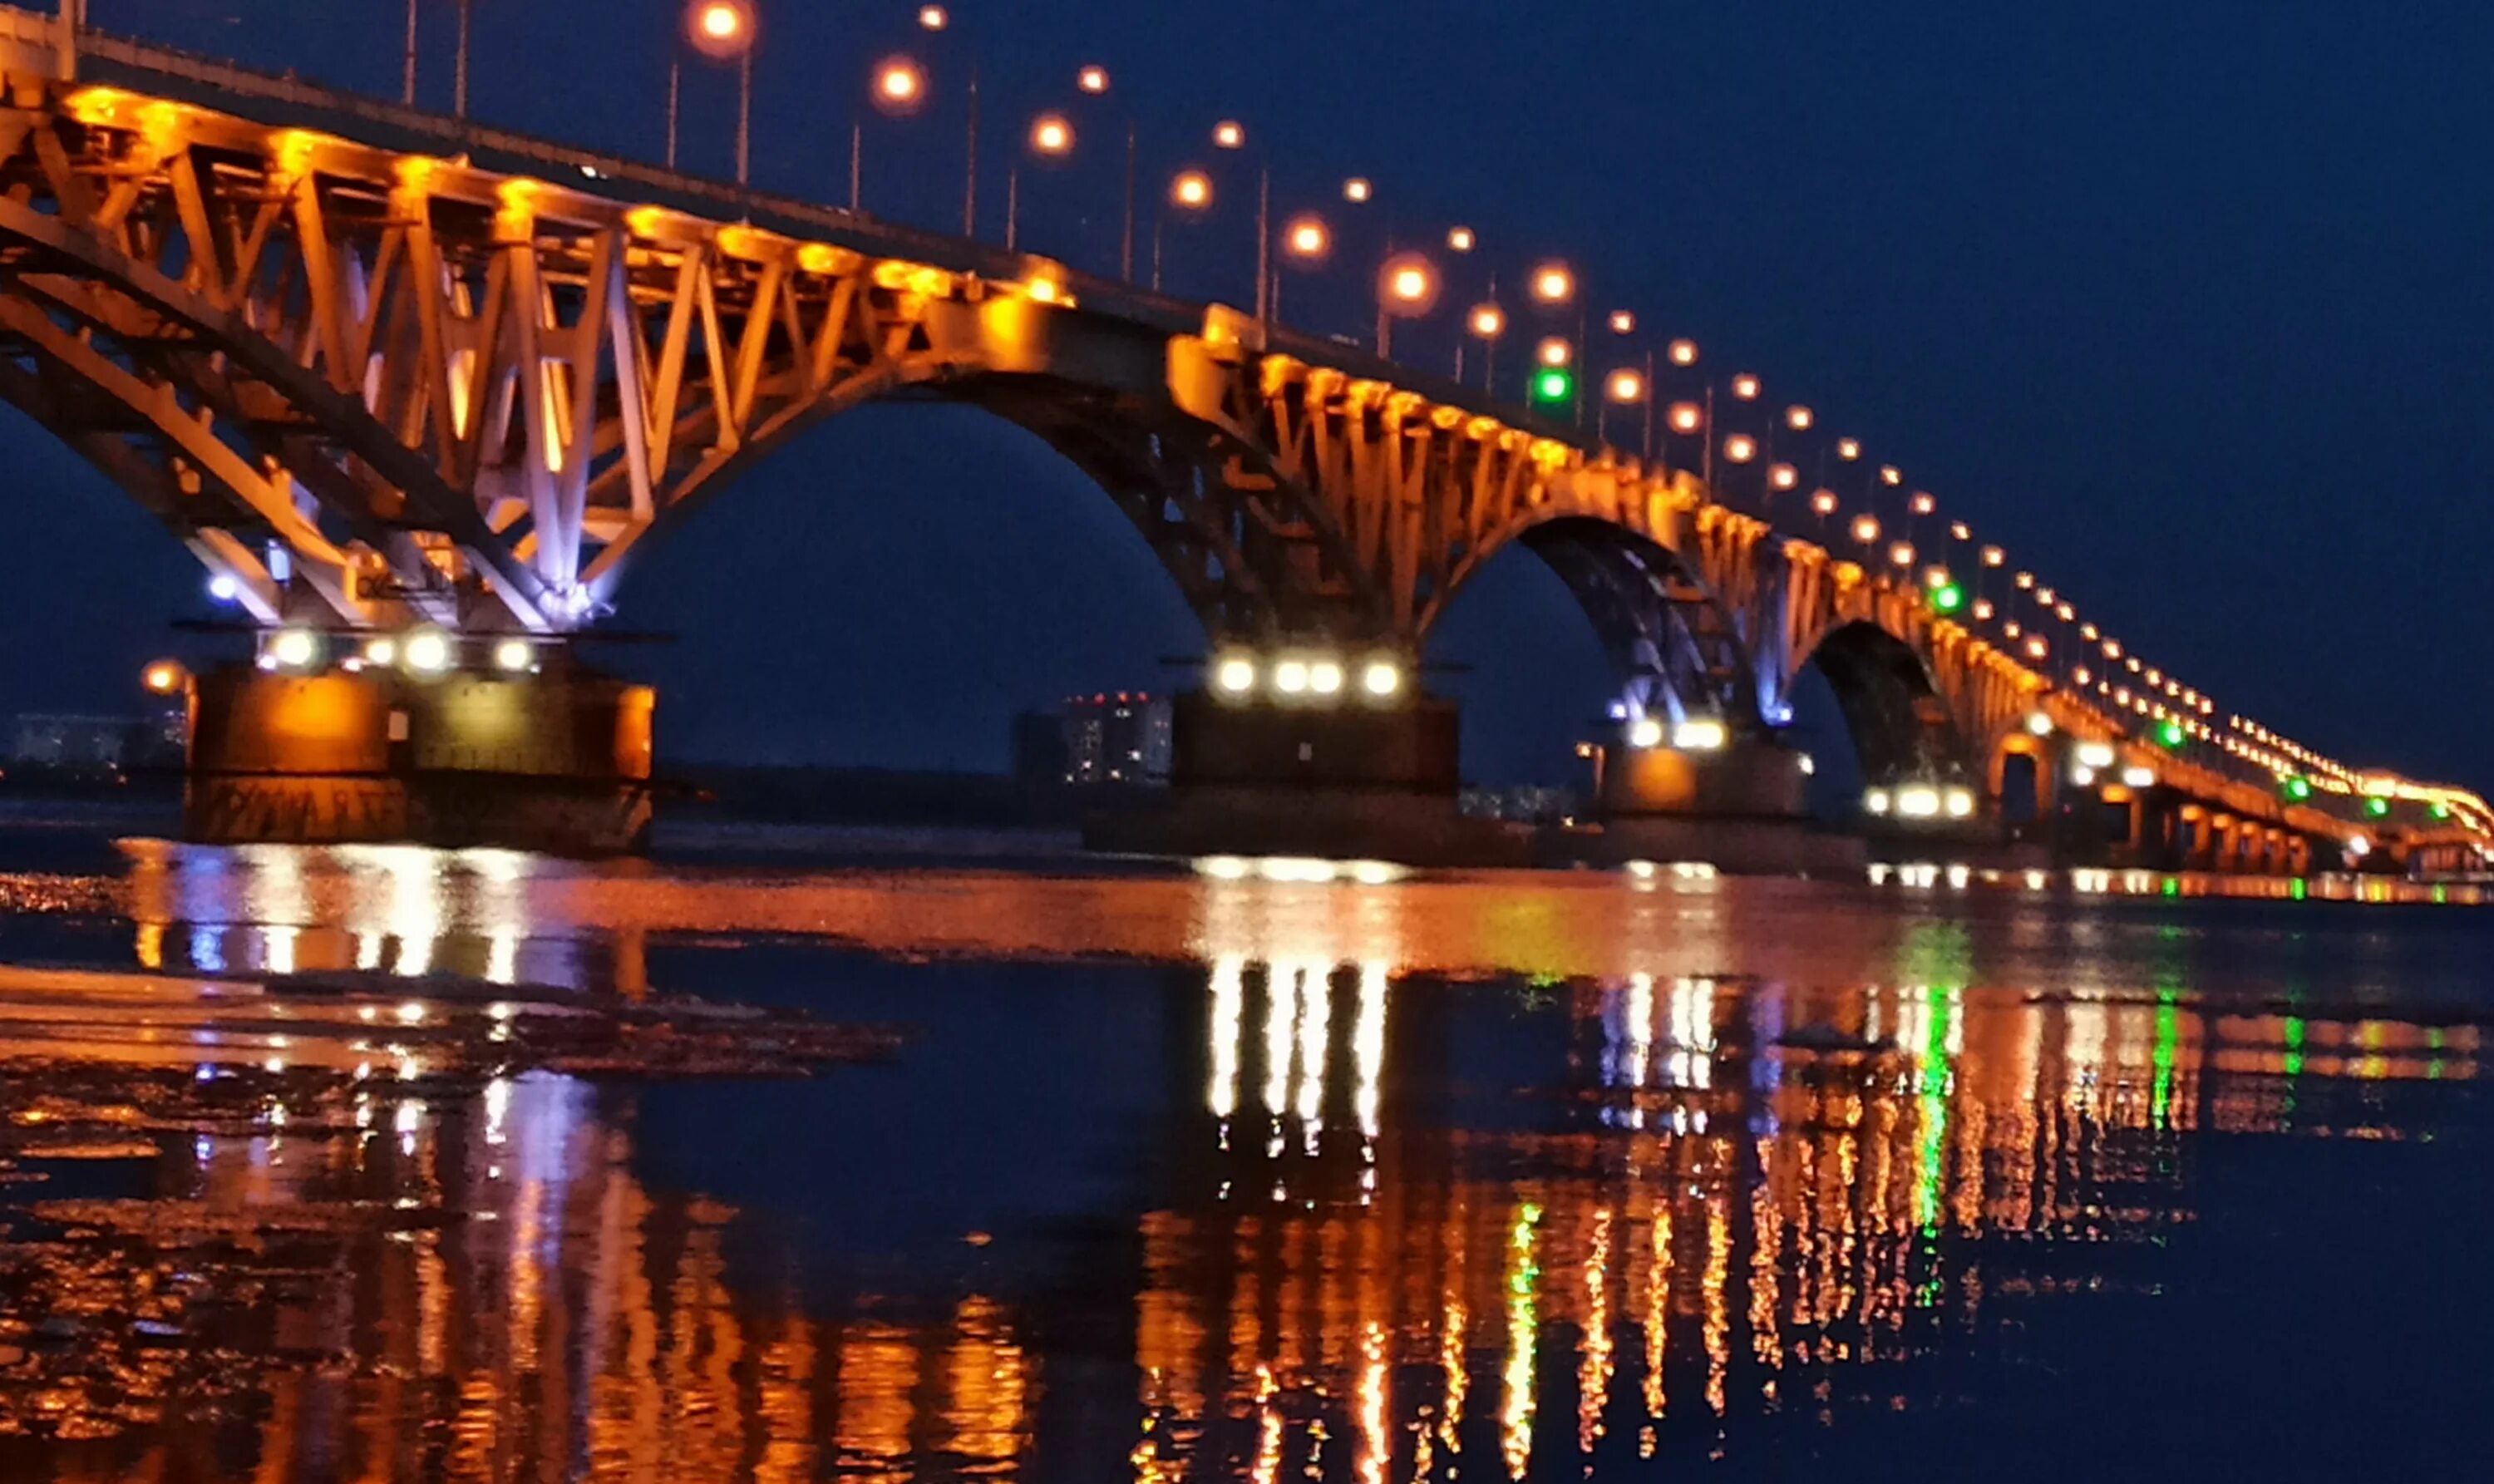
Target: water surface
{"points": [[399, 1165]]}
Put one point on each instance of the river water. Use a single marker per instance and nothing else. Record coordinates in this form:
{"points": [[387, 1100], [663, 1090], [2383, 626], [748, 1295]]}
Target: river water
{"points": [[402, 1165]]}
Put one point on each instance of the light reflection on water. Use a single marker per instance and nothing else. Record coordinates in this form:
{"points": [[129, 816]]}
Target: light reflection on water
{"points": [[1477, 1177]]}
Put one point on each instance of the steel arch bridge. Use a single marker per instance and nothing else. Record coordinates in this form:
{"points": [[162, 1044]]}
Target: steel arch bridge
{"points": [[376, 367]]}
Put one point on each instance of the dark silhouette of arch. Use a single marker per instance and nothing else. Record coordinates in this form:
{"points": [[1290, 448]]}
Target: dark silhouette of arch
{"points": [[1898, 722]]}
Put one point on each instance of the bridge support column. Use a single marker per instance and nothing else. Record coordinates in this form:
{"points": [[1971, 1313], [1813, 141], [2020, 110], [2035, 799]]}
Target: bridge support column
{"points": [[556, 761], [1740, 805], [1330, 777]]}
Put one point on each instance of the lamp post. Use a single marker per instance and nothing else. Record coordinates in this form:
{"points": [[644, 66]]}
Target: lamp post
{"points": [[1051, 137], [1307, 240], [1407, 288], [1190, 194], [719, 29]]}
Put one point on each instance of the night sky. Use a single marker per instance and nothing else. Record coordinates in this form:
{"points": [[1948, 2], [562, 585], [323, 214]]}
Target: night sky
{"points": [[2189, 304]]}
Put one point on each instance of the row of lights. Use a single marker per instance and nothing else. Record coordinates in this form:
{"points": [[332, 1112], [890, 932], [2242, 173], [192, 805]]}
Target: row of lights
{"points": [[1409, 286], [1920, 800], [1310, 676], [426, 653]]}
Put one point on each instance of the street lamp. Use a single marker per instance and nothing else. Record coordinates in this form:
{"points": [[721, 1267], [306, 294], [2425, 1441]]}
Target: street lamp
{"points": [[1229, 134], [1407, 288], [1093, 79], [1051, 137], [1623, 322], [721, 30], [1459, 239], [1357, 190], [1624, 388], [932, 17], [1190, 194]]}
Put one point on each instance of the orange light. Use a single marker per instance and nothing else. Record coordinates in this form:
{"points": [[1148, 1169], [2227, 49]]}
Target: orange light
{"points": [[1553, 284], [1865, 528], [899, 86], [1092, 79], [1994, 556], [1626, 386], [1357, 189], [1553, 351], [1740, 449], [1623, 322], [1922, 503], [1229, 134], [932, 17], [1746, 387], [1798, 417], [1849, 450], [1686, 417], [1192, 190], [1782, 477], [1902, 554], [163, 677], [1488, 321], [1408, 283], [1823, 503], [1682, 352], [721, 28], [1050, 134], [1961, 530], [1307, 237], [1459, 239], [1889, 473]]}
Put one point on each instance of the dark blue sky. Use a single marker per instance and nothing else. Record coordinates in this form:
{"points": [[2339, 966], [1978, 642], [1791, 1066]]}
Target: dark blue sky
{"points": [[2189, 304]]}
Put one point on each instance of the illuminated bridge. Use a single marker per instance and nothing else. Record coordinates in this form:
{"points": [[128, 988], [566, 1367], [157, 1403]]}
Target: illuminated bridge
{"points": [[418, 393]]}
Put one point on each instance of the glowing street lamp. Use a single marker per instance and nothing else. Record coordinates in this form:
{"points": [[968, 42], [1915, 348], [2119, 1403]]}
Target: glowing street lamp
{"points": [[899, 86], [1459, 239], [1553, 351], [1191, 190], [1740, 449], [1407, 288], [1798, 418], [1307, 238], [1865, 528], [1487, 322], [721, 30], [933, 18], [1623, 322], [1229, 134], [1849, 450], [1356, 190], [1746, 387], [1052, 137], [1682, 352], [1092, 79], [1626, 387], [1553, 284]]}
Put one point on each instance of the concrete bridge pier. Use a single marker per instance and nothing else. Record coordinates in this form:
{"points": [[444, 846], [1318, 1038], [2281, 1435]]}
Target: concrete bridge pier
{"points": [[1318, 764], [1698, 792], [533, 755]]}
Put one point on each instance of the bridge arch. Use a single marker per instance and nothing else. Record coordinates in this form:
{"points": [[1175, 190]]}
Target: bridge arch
{"points": [[1677, 653]]}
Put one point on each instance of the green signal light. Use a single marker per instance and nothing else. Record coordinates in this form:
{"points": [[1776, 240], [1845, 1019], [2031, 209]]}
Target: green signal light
{"points": [[1947, 597], [2296, 788], [2377, 807], [2442, 812], [1553, 385], [2169, 735]]}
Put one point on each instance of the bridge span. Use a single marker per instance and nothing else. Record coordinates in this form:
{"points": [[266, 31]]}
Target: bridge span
{"points": [[418, 393]]}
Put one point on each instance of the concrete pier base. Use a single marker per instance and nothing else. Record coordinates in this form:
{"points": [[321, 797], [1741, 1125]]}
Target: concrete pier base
{"points": [[556, 762], [1337, 777]]}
